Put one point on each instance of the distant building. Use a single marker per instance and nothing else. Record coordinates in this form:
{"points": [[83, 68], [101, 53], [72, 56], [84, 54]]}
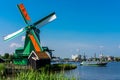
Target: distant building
{"points": [[76, 57], [110, 58], [84, 57], [101, 56]]}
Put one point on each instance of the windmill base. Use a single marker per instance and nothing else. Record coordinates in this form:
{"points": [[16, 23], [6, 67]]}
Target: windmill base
{"points": [[36, 64], [37, 61], [20, 61]]}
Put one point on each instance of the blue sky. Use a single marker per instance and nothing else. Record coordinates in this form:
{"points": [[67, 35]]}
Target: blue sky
{"points": [[82, 26]]}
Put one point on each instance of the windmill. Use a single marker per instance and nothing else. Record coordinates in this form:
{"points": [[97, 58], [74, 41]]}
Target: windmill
{"points": [[32, 40]]}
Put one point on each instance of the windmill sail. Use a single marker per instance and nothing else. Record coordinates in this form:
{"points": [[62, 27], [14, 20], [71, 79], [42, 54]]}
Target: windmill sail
{"points": [[10, 36], [45, 20], [24, 13]]}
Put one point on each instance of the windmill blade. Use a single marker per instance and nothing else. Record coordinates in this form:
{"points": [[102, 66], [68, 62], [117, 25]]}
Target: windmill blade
{"points": [[24, 13], [45, 20], [10, 36]]}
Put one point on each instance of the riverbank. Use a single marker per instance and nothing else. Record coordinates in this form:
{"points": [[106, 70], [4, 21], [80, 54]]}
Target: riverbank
{"points": [[46, 73]]}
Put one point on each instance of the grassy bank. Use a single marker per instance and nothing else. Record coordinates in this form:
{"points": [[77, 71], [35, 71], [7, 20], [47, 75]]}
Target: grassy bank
{"points": [[34, 75], [63, 67], [52, 72]]}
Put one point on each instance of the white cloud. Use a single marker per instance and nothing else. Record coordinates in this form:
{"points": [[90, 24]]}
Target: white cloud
{"points": [[12, 45], [23, 38]]}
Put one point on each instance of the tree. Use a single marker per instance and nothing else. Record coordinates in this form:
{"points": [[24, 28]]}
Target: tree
{"points": [[10, 57], [6, 55]]}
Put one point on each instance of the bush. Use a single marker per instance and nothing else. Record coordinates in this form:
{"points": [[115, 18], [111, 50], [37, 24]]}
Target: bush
{"points": [[2, 68]]}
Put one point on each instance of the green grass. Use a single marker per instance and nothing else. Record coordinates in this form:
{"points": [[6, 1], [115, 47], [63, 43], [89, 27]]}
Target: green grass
{"points": [[53, 72], [2, 68], [34, 75]]}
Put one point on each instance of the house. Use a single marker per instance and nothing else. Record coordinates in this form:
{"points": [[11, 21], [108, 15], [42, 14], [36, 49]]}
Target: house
{"points": [[39, 59]]}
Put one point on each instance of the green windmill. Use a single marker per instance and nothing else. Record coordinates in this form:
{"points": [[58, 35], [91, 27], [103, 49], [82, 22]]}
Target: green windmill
{"points": [[32, 40]]}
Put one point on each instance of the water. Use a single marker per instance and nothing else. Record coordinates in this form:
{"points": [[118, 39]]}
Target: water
{"points": [[109, 72]]}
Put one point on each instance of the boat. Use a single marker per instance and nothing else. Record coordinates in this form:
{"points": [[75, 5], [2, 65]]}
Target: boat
{"points": [[93, 63]]}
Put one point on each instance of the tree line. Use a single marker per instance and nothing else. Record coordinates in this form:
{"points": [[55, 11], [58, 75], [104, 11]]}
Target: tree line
{"points": [[7, 57]]}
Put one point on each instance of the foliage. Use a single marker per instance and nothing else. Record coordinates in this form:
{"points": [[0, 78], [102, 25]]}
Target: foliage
{"points": [[6, 55], [2, 68], [10, 57], [117, 58]]}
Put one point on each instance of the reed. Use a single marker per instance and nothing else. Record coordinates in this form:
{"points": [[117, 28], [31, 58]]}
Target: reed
{"points": [[53, 72], [41, 75]]}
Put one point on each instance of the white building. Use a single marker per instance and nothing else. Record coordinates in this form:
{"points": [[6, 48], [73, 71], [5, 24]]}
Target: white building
{"points": [[76, 57]]}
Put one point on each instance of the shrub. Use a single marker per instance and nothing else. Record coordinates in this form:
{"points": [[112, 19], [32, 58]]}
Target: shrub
{"points": [[2, 68]]}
